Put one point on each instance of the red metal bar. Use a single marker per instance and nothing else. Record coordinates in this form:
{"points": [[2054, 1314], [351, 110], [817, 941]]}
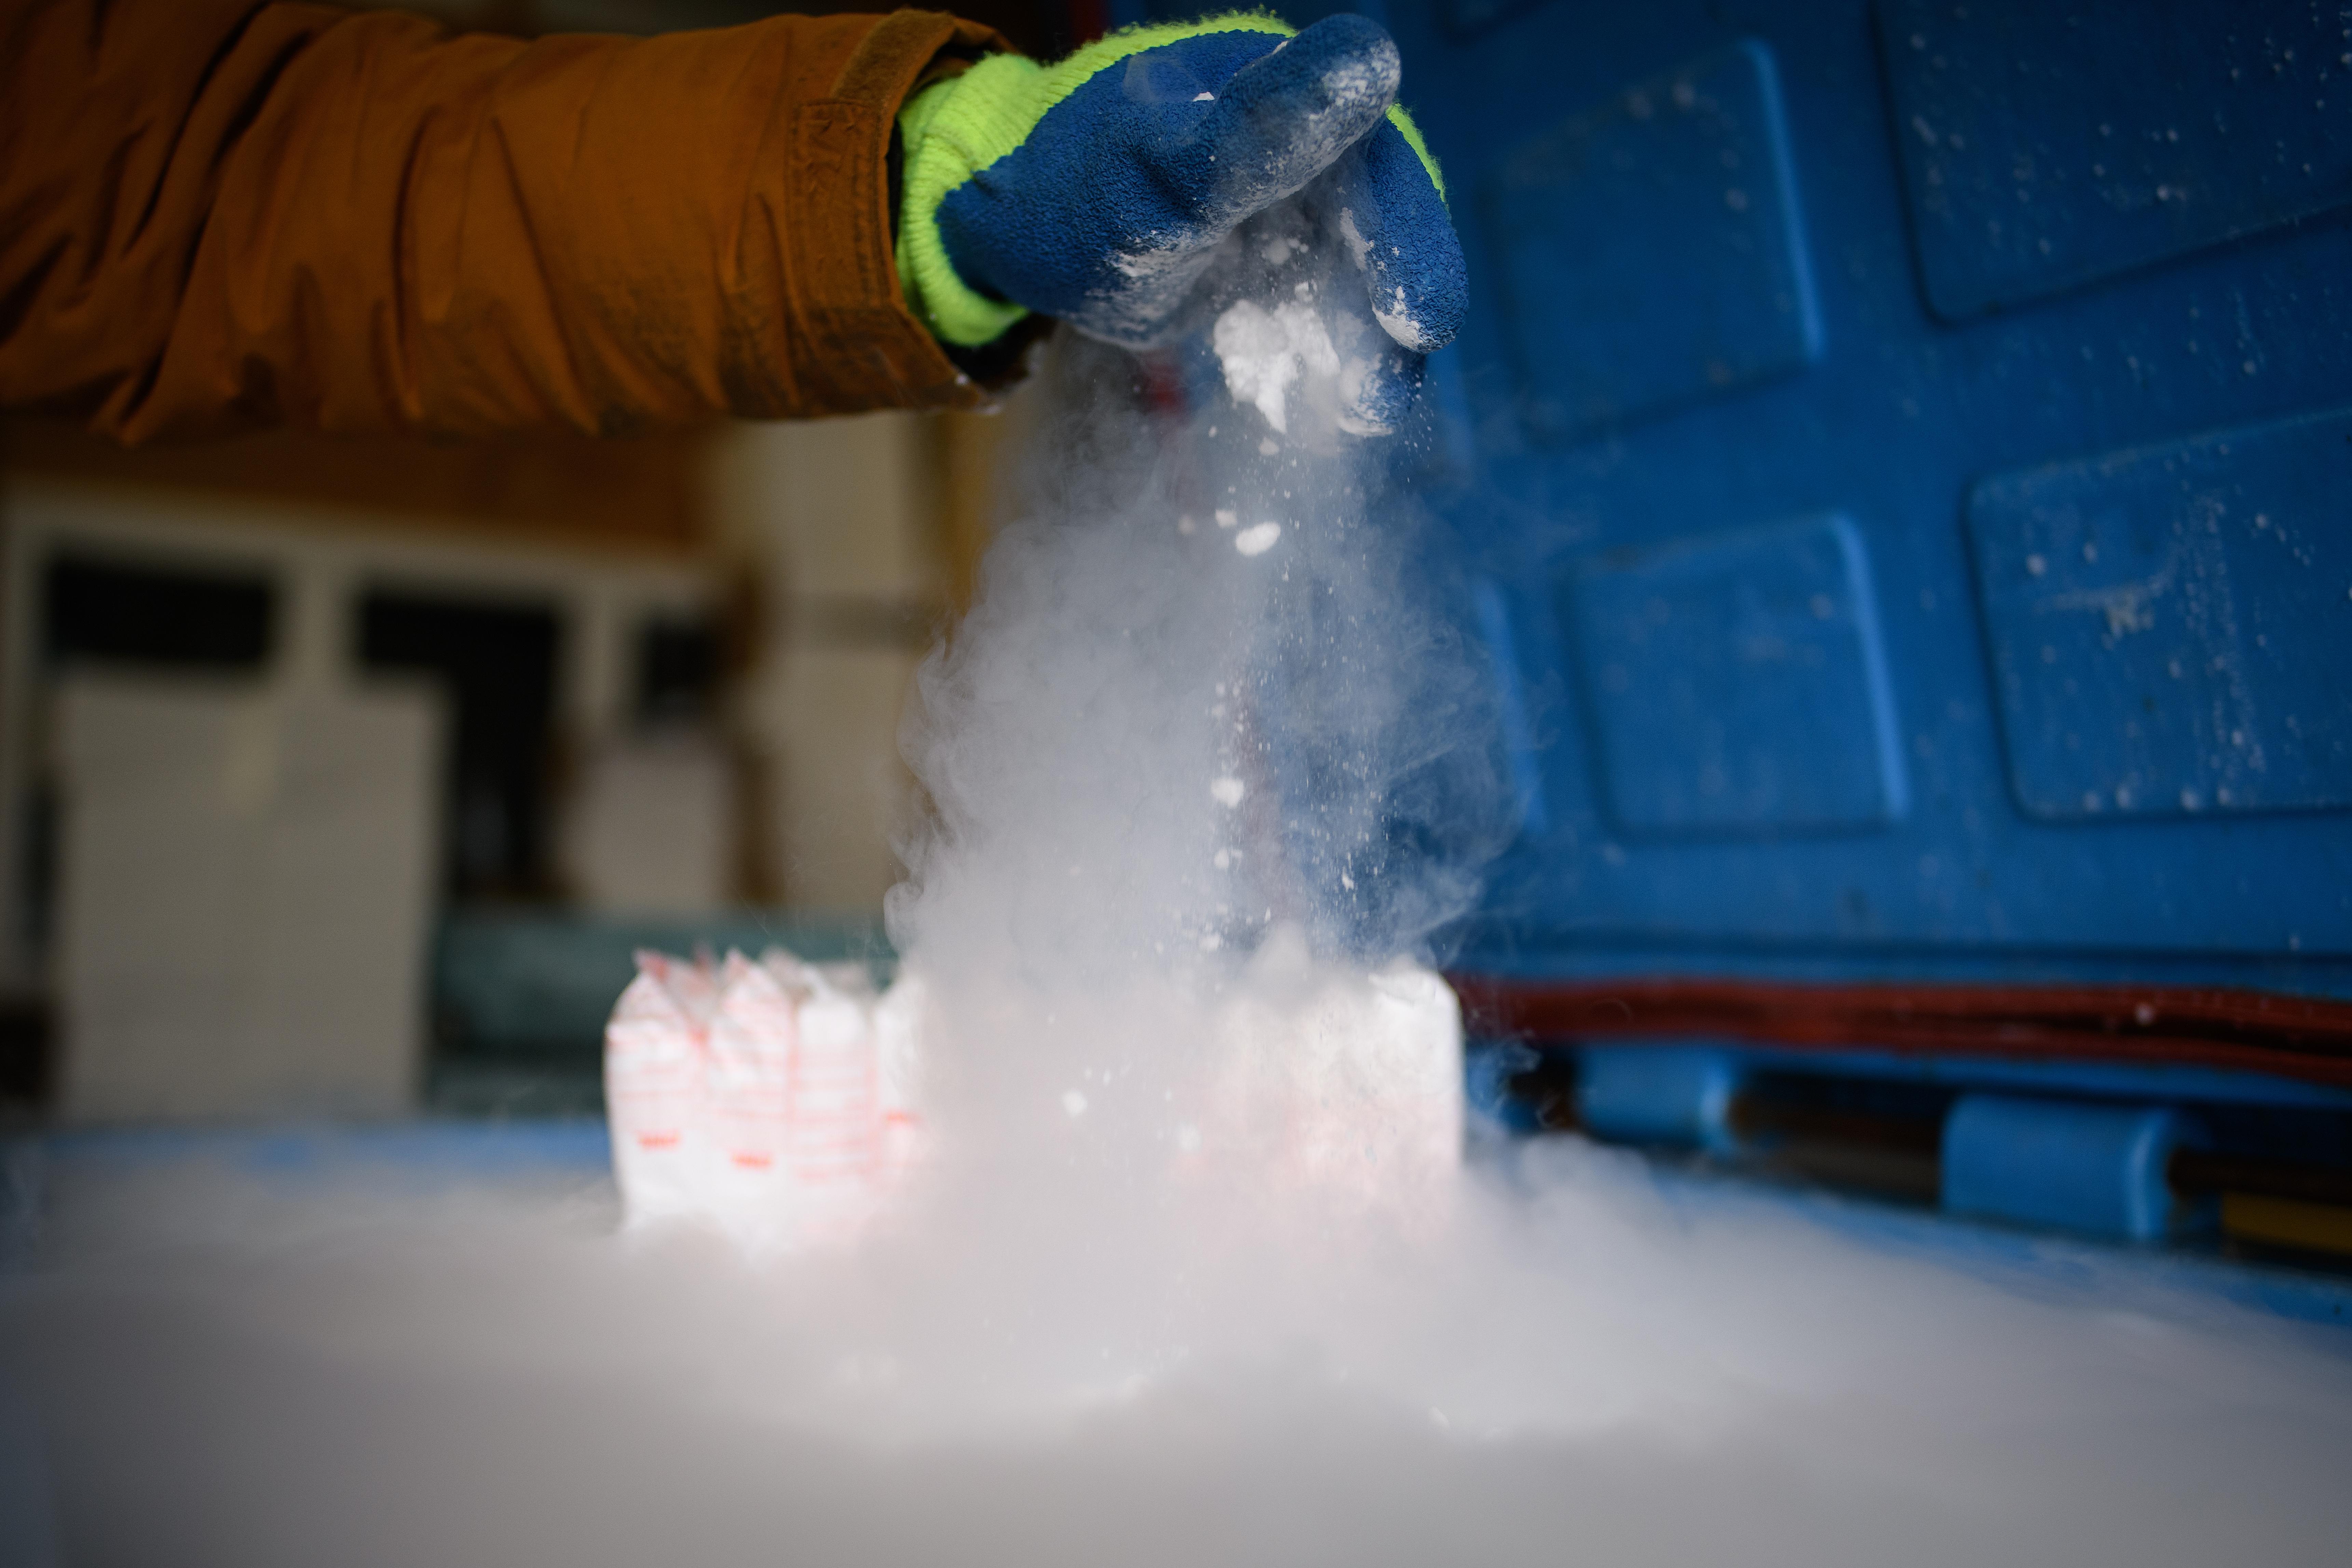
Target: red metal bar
{"points": [[2305, 1038]]}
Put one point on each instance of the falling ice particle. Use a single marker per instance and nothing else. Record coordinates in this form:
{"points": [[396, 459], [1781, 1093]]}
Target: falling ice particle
{"points": [[1074, 1102], [1185, 524], [1268, 446], [1211, 943], [1227, 518], [1222, 860], [1257, 541], [1188, 1138], [1226, 791]]}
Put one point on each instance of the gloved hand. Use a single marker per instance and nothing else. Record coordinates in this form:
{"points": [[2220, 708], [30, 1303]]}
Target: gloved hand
{"points": [[1096, 190]]}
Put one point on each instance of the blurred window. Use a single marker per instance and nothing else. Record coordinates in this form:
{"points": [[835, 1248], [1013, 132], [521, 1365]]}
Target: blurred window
{"points": [[497, 663], [119, 613]]}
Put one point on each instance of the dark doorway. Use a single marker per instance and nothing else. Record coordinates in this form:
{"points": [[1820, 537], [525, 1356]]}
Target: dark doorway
{"points": [[497, 661]]}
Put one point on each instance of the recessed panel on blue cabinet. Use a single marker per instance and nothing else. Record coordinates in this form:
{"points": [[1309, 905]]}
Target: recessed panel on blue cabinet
{"points": [[2172, 626], [1738, 684], [2047, 145], [1650, 250], [1908, 794]]}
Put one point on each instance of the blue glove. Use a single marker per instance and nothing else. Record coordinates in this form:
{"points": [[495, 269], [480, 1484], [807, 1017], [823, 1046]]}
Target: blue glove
{"points": [[1098, 190]]}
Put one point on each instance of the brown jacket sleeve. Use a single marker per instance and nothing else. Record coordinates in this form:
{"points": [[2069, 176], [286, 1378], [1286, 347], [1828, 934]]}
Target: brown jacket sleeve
{"points": [[218, 213]]}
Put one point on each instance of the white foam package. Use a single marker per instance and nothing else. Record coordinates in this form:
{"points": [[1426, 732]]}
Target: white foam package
{"points": [[773, 1099], [1334, 1078], [778, 1102]]}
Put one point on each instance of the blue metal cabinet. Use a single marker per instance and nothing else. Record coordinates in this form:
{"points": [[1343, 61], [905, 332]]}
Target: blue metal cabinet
{"points": [[1910, 456]]}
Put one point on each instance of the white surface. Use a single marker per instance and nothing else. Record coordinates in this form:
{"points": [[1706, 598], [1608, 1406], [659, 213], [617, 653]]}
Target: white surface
{"points": [[245, 895], [835, 513], [650, 826], [838, 787], [359, 1368], [835, 506]]}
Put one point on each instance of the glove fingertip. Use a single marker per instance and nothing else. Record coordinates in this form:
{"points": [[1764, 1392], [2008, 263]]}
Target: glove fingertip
{"points": [[1284, 118], [1377, 402], [1396, 226]]}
